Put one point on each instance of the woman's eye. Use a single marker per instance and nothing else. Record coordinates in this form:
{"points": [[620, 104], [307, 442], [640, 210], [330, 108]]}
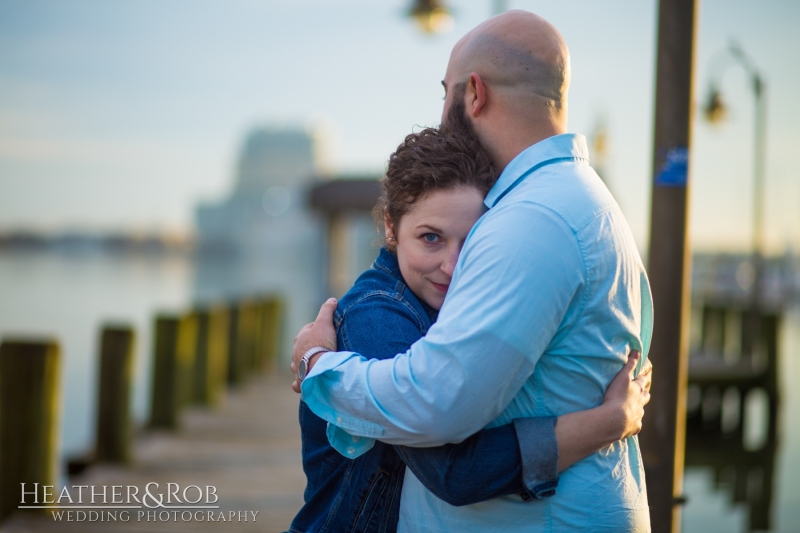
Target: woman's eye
{"points": [[430, 237]]}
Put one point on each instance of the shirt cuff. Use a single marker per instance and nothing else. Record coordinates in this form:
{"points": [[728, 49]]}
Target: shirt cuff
{"points": [[538, 448], [351, 446], [348, 435]]}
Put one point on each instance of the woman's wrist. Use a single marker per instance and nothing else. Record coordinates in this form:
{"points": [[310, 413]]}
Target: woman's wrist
{"points": [[612, 422]]}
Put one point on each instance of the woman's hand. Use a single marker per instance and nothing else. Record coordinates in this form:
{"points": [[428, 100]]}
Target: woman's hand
{"points": [[582, 433], [626, 397]]}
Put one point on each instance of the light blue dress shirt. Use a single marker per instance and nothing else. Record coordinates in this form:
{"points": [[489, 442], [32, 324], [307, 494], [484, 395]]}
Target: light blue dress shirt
{"points": [[548, 297]]}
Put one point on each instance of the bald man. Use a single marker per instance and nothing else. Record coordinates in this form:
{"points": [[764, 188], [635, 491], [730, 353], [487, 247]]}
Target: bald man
{"points": [[548, 297]]}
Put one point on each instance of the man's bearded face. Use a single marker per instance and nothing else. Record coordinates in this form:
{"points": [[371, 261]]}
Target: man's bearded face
{"points": [[456, 119]]}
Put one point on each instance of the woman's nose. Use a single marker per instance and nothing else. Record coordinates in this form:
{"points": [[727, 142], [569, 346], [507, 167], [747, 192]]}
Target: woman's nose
{"points": [[449, 263]]}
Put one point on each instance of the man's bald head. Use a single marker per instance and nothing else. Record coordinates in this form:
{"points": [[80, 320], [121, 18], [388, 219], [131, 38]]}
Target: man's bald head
{"points": [[515, 67], [517, 50]]}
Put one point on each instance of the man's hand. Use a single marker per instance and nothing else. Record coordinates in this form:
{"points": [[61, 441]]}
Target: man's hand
{"points": [[627, 396], [319, 333]]}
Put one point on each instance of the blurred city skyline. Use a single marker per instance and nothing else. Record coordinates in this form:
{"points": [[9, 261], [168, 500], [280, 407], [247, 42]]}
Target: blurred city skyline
{"points": [[125, 115]]}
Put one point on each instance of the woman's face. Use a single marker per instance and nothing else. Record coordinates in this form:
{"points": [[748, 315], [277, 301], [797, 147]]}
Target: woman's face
{"points": [[430, 236]]}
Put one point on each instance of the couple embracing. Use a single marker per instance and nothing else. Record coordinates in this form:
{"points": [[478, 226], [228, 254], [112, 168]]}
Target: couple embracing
{"points": [[488, 374]]}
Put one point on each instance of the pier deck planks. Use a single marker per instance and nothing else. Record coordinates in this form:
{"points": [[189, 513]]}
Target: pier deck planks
{"points": [[249, 449]]}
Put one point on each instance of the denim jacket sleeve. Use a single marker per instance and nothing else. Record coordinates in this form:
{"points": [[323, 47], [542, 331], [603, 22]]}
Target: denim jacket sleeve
{"points": [[519, 458]]}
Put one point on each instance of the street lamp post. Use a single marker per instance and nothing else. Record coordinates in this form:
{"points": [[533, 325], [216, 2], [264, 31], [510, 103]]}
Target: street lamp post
{"points": [[715, 112], [760, 327]]}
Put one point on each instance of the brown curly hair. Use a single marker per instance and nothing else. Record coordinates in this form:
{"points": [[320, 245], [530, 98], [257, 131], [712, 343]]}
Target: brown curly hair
{"points": [[431, 160]]}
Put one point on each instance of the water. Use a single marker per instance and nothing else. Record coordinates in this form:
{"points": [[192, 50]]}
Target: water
{"points": [[69, 296]]}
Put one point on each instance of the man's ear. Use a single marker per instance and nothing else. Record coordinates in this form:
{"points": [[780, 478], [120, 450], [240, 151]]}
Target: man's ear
{"points": [[476, 95]]}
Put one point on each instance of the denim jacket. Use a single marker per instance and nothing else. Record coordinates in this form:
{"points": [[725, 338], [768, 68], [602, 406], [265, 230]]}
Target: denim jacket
{"points": [[380, 317]]}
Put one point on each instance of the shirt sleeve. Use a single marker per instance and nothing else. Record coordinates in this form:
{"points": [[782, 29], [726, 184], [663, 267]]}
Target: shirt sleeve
{"points": [[519, 458], [518, 274], [378, 326], [488, 464]]}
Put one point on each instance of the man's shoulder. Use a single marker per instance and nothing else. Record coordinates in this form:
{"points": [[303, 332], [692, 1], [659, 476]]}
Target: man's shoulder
{"points": [[571, 191]]}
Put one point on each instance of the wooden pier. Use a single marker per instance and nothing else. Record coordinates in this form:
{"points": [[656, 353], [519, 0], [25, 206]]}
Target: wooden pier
{"points": [[248, 449], [735, 361]]}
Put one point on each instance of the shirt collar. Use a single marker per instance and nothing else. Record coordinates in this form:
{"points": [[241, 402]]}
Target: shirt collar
{"points": [[564, 147]]}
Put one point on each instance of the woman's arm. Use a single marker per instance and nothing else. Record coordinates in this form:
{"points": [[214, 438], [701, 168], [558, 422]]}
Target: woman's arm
{"points": [[619, 417]]}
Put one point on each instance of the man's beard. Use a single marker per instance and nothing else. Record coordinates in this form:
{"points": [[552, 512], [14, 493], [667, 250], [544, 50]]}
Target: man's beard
{"points": [[456, 120]]}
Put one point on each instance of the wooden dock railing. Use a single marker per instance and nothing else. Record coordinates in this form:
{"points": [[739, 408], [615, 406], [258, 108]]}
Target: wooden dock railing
{"points": [[733, 368], [196, 355]]}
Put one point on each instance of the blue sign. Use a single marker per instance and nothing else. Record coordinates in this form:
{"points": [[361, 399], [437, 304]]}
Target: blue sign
{"points": [[675, 170]]}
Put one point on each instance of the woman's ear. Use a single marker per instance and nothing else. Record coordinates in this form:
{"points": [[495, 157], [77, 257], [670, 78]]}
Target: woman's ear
{"points": [[388, 228]]}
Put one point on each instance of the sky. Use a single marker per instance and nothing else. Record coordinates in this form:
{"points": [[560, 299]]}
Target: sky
{"points": [[123, 115]]}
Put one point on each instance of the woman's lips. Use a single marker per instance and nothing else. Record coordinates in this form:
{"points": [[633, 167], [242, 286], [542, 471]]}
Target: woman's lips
{"points": [[439, 286]]}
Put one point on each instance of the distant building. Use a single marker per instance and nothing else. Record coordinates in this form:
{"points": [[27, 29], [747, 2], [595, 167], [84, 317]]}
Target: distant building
{"points": [[263, 238], [267, 237]]}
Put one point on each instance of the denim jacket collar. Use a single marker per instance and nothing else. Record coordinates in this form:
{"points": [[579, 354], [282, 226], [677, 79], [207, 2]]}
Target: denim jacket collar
{"points": [[387, 262]]}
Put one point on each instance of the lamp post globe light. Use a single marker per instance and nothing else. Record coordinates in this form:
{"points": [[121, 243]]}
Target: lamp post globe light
{"points": [[431, 16]]}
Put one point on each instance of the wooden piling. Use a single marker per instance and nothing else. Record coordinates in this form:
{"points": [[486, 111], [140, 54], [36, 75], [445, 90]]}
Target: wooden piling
{"points": [[186, 351], [218, 334], [211, 356], [244, 340], [663, 434], [234, 372], [165, 400], [270, 338], [30, 407], [114, 393], [249, 328], [174, 347]]}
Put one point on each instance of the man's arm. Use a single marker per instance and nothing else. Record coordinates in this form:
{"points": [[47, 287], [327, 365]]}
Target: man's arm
{"points": [[490, 463], [453, 471], [485, 466], [512, 290]]}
